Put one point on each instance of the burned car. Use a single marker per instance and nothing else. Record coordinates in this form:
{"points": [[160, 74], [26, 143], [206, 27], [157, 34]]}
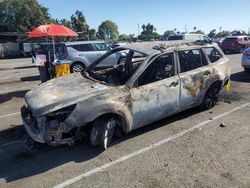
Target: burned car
{"points": [[167, 78]]}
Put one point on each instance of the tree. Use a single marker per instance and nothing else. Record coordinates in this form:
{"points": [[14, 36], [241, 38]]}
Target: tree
{"points": [[108, 30], [194, 28], [167, 34], [65, 22], [78, 23], [22, 15], [127, 38], [197, 32], [212, 33], [148, 32], [222, 34], [92, 34]]}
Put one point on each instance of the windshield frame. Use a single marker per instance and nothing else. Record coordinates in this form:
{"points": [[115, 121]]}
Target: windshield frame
{"points": [[89, 69]]}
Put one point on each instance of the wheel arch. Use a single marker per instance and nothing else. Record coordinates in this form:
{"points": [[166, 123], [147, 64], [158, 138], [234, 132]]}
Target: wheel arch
{"points": [[119, 118]]}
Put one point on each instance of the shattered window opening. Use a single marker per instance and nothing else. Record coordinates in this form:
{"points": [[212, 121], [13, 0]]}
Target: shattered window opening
{"points": [[161, 68], [212, 53], [190, 59]]}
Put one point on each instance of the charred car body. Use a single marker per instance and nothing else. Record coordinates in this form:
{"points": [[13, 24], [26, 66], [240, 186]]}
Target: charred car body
{"points": [[168, 77]]}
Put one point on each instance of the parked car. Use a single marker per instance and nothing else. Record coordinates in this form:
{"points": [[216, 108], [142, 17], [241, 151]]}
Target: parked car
{"points": [[191, 37], [235, 44], [115, 45], [1, 50], [218, 41], [245, 60], [169, 78], [83, 53]]}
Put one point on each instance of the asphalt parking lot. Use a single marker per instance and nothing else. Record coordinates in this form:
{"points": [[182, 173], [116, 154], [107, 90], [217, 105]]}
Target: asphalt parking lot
{"points": [[190, 149]]}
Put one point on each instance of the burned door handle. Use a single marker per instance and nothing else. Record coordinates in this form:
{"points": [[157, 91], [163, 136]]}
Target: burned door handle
{"points": [[173, 84]]}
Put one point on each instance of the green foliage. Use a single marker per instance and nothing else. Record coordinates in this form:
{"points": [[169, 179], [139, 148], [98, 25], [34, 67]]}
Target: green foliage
{"points": [[22, 15], [197, 32], [79, 24], [124, 37], [222, 34], [65, 22], [108, 30], [167, 34], [92, 34], [148, 33], [212, 33]]}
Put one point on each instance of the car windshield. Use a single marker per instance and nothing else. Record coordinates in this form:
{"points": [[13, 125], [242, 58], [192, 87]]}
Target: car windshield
{"points": [[115, 68]]}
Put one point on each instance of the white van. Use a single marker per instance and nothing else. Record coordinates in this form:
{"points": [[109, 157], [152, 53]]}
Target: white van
{"points": [[191, 37]]}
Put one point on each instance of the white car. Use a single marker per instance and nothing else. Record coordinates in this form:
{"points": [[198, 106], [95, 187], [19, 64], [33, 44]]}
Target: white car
{"points": [[245, 60]]}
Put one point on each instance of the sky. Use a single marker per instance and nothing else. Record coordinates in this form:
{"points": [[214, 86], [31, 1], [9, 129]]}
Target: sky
{"points": [[163, 14]]}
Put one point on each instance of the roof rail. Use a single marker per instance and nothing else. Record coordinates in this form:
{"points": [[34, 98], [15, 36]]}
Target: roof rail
{"points": [[164, 46]]}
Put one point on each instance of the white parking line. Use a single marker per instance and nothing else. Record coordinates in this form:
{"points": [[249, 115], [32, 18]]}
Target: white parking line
{"points": [[143, 150], [11, 114]]}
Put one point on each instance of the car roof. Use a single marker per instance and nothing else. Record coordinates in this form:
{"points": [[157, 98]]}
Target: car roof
{"points": [[236, 36], [82, 42], [150, 48]]}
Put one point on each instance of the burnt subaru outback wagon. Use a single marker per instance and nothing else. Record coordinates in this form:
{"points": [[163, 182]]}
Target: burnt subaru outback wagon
{"points": [[166, 78]]}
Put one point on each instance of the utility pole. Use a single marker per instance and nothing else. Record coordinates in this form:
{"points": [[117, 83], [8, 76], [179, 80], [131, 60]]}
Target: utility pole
{"points": [[185, 28], [138, 28]]}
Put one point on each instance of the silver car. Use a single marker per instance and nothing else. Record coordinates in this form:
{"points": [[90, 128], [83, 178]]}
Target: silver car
{"points": [[167, 78], [82, 54], [245, 60]]}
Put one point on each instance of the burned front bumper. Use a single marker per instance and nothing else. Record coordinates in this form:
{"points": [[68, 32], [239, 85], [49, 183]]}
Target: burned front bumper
{"points": [[34, 127], [44, 130]]}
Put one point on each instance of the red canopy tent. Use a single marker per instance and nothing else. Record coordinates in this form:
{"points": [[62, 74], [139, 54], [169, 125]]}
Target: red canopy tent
{"points": [[52, 30]]}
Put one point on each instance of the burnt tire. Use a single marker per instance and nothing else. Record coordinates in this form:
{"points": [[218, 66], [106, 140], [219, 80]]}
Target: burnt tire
{"points": [[102, 132], [211, 97], [77, 67]]}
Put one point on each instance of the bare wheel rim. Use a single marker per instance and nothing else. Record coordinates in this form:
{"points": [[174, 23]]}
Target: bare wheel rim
{"points": [[77, 68], [94, 135], [108, 132]]}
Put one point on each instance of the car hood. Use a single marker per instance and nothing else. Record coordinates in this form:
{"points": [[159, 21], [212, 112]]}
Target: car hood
{"points": [[62, 92]]}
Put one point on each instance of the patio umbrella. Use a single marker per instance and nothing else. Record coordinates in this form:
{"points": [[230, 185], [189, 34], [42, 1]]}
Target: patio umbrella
{"points": [[52, 30]]}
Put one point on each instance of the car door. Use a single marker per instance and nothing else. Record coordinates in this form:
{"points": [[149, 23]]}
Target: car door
{"points": [[156, 91], [193, 78]]}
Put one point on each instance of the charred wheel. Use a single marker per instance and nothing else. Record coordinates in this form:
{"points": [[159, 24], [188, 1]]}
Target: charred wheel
{"points": [[211, 97], [102, 132]]}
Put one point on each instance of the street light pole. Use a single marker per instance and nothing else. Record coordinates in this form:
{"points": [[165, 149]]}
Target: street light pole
{"points": [[138, 28]]}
